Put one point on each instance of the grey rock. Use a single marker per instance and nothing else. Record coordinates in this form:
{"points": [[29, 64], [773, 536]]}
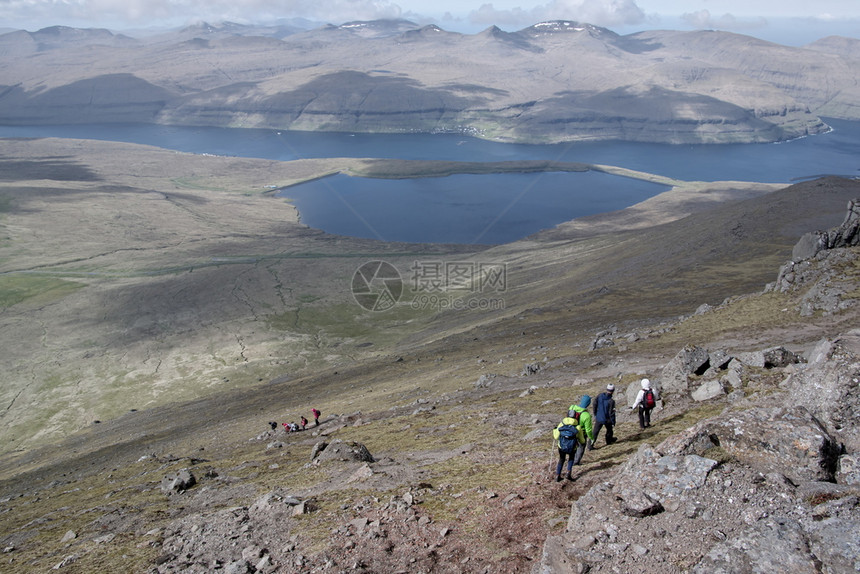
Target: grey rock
{"points": [[178, 482], [273, 503], [845, 235], [766, 548], [779, 357], [708, 390], [344, 451], [531, 369], [71, 558], [789, 440], [848, 469], [559, 558], [753, 359], [648, 479], [484, 381], [676, 373], [835, 543], [828, 387], [238, 567]]}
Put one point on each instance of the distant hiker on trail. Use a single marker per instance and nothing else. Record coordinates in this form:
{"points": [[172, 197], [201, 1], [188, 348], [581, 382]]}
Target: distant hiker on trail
{"points": [[304, 423], [584, 418], [294, 427], [570, 440], [604, 414], [646, 400], [273, 424], [316, 414]]}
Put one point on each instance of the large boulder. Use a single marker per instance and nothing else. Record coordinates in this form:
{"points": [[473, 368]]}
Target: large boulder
{"points": [[772, 358], [178, 482], [829, 387], [648, 480], [781, 439], [771, 547], [708, 390], [343, 451], [690, 360]]}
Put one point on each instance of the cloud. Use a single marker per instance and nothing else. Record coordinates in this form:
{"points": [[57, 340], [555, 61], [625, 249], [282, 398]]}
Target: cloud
{"points": [[703, 20], [597, 12], [172, 12]]}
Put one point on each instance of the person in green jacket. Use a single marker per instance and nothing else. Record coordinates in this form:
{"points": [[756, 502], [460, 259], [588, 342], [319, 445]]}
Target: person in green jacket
{"points": [[584, 419]]}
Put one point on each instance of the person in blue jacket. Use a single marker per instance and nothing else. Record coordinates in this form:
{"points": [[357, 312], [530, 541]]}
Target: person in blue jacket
{"points": [[604, 414]]}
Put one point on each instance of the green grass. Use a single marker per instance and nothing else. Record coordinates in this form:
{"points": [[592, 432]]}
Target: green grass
{"points": [[15, 289]]}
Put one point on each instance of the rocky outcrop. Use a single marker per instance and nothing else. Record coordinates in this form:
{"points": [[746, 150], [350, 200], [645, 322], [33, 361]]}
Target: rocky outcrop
{"points": [[846, 235], [764, 489], [829, 387], [706, 375], [780, 439], [821, 266], [342, 451]]}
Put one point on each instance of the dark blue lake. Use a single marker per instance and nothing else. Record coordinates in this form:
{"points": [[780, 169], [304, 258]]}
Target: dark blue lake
{"points": [[485, 208]]}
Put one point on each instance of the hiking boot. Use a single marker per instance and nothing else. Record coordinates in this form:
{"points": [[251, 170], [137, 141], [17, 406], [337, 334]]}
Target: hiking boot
{"points": [[569, 477], [558, 478]]}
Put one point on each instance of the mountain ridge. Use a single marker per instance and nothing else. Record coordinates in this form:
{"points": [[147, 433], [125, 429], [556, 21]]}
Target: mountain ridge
{"points": [[552, 82]]}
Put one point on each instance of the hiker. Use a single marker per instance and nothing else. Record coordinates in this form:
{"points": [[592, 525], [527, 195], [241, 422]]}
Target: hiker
{"points": [[294, 427], [604, 414], [646, 400], [316, 414], [304, 422], [273, 424], [584, 418], [570, 440]]}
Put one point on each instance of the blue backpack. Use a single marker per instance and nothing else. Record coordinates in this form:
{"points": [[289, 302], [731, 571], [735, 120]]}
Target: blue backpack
{"points": [[567, 438]]}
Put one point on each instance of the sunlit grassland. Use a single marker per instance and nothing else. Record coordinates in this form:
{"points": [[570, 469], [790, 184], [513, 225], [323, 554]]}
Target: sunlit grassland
{"points": [[37, 290]]}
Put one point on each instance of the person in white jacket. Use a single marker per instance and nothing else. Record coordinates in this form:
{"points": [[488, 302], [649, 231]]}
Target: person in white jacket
{"points": [[646, 399]]}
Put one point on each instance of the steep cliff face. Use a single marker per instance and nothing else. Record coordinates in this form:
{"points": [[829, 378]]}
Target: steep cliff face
{"points": [[555, 81]]}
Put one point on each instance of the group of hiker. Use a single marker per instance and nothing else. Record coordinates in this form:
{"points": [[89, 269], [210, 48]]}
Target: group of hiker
{"points": [[578, 431], [293, 427]]}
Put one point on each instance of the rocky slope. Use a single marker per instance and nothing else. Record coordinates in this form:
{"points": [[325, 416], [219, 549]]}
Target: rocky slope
{"points": [[554, 81], [751, 462]]}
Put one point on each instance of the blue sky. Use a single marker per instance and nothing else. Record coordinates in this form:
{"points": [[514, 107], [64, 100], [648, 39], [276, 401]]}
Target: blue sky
{"points": [[789, 21]]}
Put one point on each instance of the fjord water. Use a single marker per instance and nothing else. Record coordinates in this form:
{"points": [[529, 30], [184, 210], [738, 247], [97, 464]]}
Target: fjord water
{"points": [[485, 208]]}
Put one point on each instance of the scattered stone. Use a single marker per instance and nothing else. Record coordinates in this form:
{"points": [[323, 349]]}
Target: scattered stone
{"points": [[484, 381], [531, 369], [178, 482], [71, 558]]}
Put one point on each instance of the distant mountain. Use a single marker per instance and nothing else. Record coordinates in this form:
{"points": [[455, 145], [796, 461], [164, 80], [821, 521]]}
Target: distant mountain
{"points": [[838, 45], [551, 82]]}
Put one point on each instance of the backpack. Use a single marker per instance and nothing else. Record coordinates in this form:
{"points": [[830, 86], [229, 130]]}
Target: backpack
{"points": [[567, 438], [648, 399]]}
